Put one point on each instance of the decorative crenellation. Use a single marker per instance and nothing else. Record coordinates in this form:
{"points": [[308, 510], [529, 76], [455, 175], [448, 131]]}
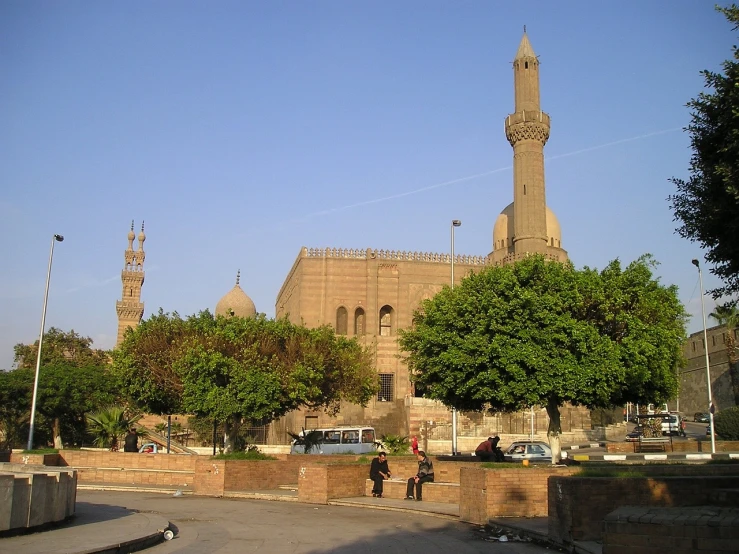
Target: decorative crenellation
{"points": [[527, 131], [354, 253]]}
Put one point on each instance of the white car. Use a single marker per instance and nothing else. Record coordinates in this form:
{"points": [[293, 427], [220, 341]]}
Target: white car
{"points": [[536, 451]]}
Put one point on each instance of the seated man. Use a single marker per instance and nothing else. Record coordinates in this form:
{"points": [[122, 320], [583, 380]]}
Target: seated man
{"points": [[379, 471], [485, 450], [425, 475]]}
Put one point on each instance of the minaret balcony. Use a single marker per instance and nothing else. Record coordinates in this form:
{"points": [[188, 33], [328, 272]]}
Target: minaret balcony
{"points": [[525, 116], [528, 125]]}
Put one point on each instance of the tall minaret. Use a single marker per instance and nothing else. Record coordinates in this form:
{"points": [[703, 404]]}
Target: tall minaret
{"points": [[528, 130], [130, 309]]}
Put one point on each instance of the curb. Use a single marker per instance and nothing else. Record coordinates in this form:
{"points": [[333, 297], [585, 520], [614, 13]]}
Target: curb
{"points": [[672, 456], [578, 446], [391, 509]]}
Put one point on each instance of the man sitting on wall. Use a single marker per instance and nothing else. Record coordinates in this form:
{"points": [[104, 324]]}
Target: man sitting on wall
{"points": [[485, 450], [425, 475], [379, 471]]}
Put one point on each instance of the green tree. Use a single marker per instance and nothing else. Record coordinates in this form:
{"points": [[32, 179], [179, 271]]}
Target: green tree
{"points": [[73, 379], [60, 347], [108, 425], [728, 314], [543, 333], [231, 369], [15, 407], [707, 204]]}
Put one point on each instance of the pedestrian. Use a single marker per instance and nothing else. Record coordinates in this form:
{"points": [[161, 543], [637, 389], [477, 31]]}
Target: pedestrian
{"points": [[132, 441], [425, 475], [682, 428], [485, 450], [379, 471], [414, 445]]}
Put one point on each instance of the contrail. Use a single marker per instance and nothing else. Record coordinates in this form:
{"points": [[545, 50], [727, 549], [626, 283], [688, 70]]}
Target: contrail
{"points": [[471, 177]]}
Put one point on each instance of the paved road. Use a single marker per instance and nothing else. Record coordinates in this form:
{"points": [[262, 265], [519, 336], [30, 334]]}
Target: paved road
{"points": [[230, 526]]}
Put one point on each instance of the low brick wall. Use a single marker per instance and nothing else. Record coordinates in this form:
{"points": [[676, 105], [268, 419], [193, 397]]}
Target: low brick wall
{"points": [[246, 475], [578, 505], [634, 530], [508, 492], [35, 459], [131, 468], [319, 483]]}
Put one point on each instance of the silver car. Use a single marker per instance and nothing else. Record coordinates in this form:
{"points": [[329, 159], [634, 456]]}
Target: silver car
{"points": [[536, 451]]}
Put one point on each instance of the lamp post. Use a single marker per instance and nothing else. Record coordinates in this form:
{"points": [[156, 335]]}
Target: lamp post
{"points": [[696, 263], [54, 238], [455, 223]]}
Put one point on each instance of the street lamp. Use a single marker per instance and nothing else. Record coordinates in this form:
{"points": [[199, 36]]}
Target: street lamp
{"points": [[55, 238], [696, 263], [455, 223]]}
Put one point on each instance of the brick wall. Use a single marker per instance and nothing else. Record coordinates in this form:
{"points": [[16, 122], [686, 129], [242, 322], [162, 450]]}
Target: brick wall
{"points": [[245, 475], [35, 459], [318, 483], [130, 468], [636, 529], [210, 476], [514, 492], [578, 505]]}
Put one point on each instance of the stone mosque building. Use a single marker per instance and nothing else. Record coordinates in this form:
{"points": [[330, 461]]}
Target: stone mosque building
{"points": [[370, 294]]}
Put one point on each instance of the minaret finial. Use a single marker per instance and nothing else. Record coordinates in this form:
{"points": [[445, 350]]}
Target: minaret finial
{"points": [[142, 226], [132, 225], [524, 29], [238, 276]]}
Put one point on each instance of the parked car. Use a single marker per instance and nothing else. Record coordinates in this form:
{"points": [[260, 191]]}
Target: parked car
{"points": [[536, 451], [701, 417], [149, 448], [635, 435]]}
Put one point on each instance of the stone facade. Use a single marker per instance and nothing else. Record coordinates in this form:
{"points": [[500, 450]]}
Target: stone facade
{"points": [[693, 382], [129, 308]]}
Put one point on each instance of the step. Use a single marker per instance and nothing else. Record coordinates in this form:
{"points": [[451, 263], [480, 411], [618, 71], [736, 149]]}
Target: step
{"points": [[447, 493]]}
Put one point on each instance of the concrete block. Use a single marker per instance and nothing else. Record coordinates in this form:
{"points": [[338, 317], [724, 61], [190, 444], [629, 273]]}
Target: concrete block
{"points": [[21, 509], [6, 500]]}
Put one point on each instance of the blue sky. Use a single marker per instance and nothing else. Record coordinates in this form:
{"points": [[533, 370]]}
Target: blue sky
{"points": [[241, 131]]}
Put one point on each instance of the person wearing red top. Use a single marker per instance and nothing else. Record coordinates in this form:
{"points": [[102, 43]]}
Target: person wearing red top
{"points": [[414, 445], [485, 450]]}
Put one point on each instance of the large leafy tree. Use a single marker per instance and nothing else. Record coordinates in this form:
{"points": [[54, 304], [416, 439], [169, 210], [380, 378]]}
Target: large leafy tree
{"points": [[15, 406], [707, 203], [60, 347], [543, 333], [231, 369], [73, 379]]}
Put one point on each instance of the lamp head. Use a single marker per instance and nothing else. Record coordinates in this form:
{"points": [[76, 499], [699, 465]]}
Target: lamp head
{"points": [[58, 238], [696, 263], [456, 222]]}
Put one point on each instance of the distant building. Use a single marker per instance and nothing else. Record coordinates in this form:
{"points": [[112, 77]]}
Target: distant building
{"points": [[129, 308], [693, 394], [370, 294]]}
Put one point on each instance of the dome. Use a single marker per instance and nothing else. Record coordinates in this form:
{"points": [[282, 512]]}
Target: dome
{"points": [[236, 303], [503, 229]]}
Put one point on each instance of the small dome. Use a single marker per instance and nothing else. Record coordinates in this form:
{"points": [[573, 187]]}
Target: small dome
{"points": [[503, 229], [236, 303]]}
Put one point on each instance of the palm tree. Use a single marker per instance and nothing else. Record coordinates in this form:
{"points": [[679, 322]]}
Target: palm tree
{"points": [[109, 424], [728, 315], [161, 428]]}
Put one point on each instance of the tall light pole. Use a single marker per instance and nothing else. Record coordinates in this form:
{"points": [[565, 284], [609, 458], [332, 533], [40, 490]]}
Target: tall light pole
{"points": [[55, 238], [455, 223], [696, 263]]}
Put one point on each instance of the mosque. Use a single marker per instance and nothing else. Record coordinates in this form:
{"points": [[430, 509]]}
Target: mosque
{"points": [[370, 294]]}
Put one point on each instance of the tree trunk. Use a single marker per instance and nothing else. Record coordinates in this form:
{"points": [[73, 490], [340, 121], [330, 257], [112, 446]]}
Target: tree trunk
{"points": [[554, 430], [226, 436], [57, 432]]}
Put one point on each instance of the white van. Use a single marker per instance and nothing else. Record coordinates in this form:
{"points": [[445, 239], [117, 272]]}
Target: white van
{"points": [[339, 440]]}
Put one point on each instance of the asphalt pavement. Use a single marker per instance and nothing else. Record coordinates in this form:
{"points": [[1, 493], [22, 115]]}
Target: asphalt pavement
{"points": [[114, 521]]}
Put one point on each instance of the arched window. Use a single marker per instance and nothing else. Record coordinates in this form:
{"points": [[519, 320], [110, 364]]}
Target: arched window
{"points": [[386, 321], [342, 321], [359, 322]]}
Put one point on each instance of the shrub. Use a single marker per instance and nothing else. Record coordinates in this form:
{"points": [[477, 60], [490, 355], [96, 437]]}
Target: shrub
{"points": [[395, 444], [245, 455], [726, 423]]}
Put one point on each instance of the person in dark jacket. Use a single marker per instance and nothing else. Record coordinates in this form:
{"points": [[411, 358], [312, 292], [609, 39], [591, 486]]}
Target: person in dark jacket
{"points": [[425, 475], [379, 471], [132, 442]]}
